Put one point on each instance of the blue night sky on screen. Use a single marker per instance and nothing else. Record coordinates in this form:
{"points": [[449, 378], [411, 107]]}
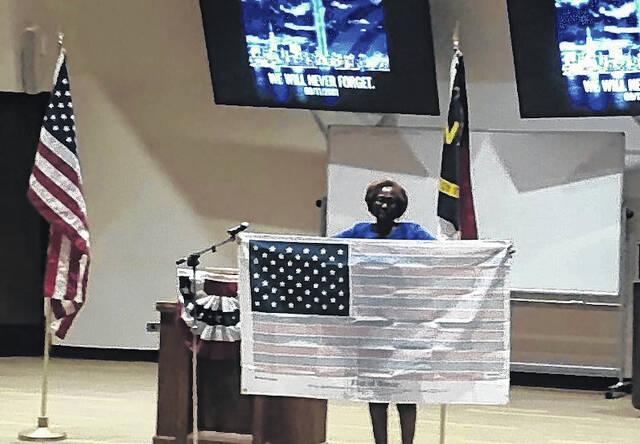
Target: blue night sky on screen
{"points": [[340, 34], [599, 43]]}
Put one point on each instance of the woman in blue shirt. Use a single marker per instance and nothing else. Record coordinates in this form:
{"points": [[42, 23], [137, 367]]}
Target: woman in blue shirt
{"points": [[387, 201]]}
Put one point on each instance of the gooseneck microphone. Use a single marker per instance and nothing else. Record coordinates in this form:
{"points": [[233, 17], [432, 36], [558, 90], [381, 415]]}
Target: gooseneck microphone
{"points": [[232, 232], [235, 230]]}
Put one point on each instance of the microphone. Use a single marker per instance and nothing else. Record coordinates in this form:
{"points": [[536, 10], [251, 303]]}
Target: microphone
{"points": [[235, 230]]}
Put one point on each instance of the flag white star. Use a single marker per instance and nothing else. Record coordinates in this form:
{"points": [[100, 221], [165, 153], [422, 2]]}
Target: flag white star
{"points": [[333, 300], [340, 279], [290, 291], [265, 255], [283, 298], [272, 262], [340, 252], [256, 261], [324, 306], [265, 297], [323, 279], [316, 299], [324, 292], [308, 305], [281, 256], [341, 293], [290, 304], [58, 93], [306, 278], [273, 276], [272, 248], [56, 127], [256, 275], [307, 292], [289, 250], [274, 305], [305, 251], [64, 81], [332, 272], [289, 264], [323, 251], [257, 303], [289, 278], [332, 286], [282, 284], [323, 265], [298, 271], [314, 258], [315, 271], [315, 285], [63, 116], [265, 283], [297, 256], [256, 289], [274, 291], [306, 264], [53, 117], [340, 307], [265, 269], [299, 299], [298, 284], [331, 258], [340, 265]]}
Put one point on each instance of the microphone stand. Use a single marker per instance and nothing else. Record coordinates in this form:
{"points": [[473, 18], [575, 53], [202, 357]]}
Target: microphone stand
{"points": [[193, 260]]}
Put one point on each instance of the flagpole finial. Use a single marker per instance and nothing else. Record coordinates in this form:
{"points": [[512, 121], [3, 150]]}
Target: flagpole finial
{"points": [[456, 36], [60, 39]]}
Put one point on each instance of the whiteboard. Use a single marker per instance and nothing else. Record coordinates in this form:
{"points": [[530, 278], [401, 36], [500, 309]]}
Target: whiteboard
{"points": [[557, 196]]}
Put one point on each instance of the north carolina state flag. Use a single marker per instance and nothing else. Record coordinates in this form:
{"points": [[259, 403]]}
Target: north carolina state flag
{"points": [[455, 200]]}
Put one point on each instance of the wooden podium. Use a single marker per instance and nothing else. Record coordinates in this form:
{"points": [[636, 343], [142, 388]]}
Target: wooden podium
{"points": [[224, 416]]}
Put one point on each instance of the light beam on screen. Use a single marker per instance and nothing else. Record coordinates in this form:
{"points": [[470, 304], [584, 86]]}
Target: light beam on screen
{"points": [[314, 48], [599, 45]]}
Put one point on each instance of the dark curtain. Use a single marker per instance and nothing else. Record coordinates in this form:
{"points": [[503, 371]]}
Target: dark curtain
{"points": [[23, 233]]}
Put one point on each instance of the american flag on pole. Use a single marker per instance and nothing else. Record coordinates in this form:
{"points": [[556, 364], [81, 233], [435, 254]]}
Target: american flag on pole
{"points": [[55, 190], [375, 320]]}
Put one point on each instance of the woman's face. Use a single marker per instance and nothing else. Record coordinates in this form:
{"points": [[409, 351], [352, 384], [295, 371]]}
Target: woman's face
{"points": [[385, 204]]}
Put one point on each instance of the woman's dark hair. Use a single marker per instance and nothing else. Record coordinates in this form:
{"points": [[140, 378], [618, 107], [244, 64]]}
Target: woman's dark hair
{"points": [[374, 188]]}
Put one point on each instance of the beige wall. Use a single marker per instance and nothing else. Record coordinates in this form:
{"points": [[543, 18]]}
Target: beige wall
{"points": [[166, 171]]}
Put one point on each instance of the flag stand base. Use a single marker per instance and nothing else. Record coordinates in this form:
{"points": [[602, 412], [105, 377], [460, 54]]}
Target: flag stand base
{"points": [[42, 432]]}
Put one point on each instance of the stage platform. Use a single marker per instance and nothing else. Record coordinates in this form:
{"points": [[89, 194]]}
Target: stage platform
{"points": [[99, 402]]}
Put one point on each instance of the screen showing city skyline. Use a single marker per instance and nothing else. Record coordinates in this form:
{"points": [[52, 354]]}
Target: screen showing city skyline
{"points": [[322, 54], [576, 57], [599, 51]]}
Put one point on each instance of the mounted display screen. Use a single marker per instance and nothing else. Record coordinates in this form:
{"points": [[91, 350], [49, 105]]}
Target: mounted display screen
{"points": [[342, 55], [576, 58]]}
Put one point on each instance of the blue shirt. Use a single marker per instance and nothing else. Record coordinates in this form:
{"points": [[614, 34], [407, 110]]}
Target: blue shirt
{"points": [[404, 230]]}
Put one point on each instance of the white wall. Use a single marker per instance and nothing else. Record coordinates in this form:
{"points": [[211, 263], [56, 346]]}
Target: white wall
{"points": [[166, 171]]}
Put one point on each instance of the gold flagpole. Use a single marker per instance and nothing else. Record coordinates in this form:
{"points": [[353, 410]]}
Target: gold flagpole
{"points": [[42, 431], [456, 48]]}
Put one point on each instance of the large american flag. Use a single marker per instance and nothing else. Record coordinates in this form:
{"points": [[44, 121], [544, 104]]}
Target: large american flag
{"points": [[55, 190], [375, 320]]}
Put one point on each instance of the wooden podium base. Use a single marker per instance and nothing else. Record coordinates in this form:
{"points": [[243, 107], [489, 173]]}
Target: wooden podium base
{"points": [[234, 418]]}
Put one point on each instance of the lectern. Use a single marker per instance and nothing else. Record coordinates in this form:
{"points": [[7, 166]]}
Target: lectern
{"points": [[225, 416]]}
